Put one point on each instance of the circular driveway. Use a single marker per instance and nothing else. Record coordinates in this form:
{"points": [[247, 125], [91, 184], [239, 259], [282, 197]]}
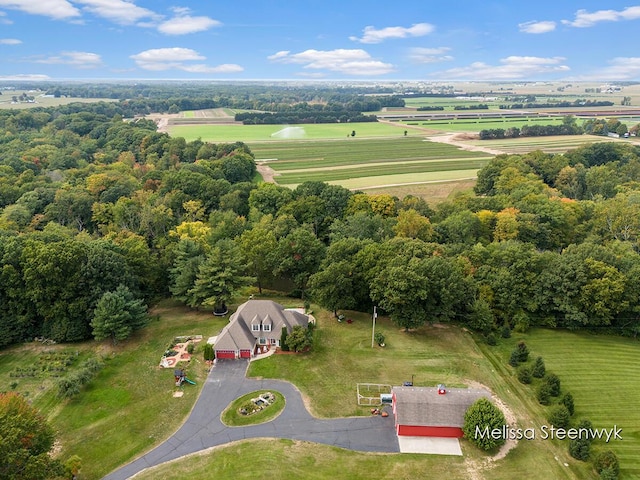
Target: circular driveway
{"points": [[226, 382]]}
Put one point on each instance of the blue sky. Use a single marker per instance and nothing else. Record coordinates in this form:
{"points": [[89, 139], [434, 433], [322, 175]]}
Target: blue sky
{"points": [[425, 40]]}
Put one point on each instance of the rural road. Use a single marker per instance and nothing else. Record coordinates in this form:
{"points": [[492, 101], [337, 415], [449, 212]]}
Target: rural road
{"points": [[226, 382]]}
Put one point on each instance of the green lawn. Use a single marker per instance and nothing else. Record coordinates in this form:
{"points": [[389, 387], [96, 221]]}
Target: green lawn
{"points": [[129, 406], [601, 372], [327, 378]]}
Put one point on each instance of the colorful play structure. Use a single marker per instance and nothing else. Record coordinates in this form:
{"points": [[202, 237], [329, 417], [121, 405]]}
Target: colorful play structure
{"points": [[180, 377]]}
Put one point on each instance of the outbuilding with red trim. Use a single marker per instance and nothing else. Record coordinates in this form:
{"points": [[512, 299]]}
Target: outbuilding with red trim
{"points": [[432, 411]]}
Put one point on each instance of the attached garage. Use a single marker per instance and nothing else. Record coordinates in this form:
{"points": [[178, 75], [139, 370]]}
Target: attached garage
{"points": [[432, 412], [228, 354], [245, 353]]}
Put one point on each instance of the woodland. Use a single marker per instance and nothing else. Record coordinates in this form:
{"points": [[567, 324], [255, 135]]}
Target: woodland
{"points": [[101, 216]]}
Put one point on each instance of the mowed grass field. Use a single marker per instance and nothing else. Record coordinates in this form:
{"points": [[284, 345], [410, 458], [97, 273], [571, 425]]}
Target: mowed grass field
{"points": [[601, 372], [361, 163], [253, 133]]}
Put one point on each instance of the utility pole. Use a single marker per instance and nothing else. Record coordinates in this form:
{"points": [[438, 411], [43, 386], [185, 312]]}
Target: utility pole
{"points": [[373, 328]]}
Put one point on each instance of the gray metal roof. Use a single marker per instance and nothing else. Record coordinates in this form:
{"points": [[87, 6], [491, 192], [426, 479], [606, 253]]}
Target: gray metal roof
{"points": [[424, 406]]}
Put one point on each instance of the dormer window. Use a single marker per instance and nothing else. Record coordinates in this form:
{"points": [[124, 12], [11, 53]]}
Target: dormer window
{"points": [[266, 327], [255, 327]]}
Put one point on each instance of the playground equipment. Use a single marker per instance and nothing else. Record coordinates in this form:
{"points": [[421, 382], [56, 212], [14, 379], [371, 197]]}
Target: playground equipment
{"points": [[180, 377]]}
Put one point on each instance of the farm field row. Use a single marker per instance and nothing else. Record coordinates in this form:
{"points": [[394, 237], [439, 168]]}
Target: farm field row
{"points": [[368, 162], [477, 125], [306, 154], [555, 144]]}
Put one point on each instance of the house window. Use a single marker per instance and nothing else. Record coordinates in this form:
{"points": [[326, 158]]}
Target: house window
{"points": [[263, 341], [274, 341], [255, 327], [266, 327]]}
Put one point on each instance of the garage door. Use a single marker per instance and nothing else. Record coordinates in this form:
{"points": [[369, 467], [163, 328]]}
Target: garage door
{"points": [[225, 354], [245, 353]]}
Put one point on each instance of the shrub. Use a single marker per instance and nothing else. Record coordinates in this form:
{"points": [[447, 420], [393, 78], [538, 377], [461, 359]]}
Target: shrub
{"points": [[608, 474], [607, 460], [379, 338], [559, 417], [505, 332], [209, 354], [283, 340], [554, 384], [522, 352], [513, 359], [524, 375], [491, 340], [567, 401], [483, 415], [539, 370], [543, 394], [191, 348], [579, 449]]}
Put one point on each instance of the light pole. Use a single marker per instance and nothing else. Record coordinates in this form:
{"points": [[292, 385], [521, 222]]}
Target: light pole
{"points": [[373, 328]]}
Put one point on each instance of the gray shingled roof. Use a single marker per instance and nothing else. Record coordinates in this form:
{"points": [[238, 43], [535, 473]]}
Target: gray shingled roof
{"points": [[424, 406], [238, 335], [235, 336]]}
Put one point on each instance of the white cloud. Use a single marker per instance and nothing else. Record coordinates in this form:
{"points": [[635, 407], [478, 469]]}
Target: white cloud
{"points": [[74, 59], [371, 35], [537, 27], [57, 9], [619, 69], [514, 67], [4, 20], [348, 62], [585, 19], [123, 12], [161, 59], [183, 23], [430, 55], [26, 77], [10, 41]]}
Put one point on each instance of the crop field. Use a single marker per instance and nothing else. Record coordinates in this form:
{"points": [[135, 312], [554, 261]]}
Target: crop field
{"points": [[5, 100], [601, 373], [477, 125], [554, 144], [358, 163]]}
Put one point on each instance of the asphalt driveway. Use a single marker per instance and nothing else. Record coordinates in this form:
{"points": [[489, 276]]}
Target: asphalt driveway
{"points": [[226, 382]]}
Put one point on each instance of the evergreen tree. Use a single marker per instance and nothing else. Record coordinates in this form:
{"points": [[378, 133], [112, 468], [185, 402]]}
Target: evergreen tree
{"points": [[219, 277], [117, 315], [539, 369], [482, 415]]}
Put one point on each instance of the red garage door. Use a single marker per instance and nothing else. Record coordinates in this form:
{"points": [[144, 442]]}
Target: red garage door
{"points": [[428, 431], [225, 354], [245, 353]]}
